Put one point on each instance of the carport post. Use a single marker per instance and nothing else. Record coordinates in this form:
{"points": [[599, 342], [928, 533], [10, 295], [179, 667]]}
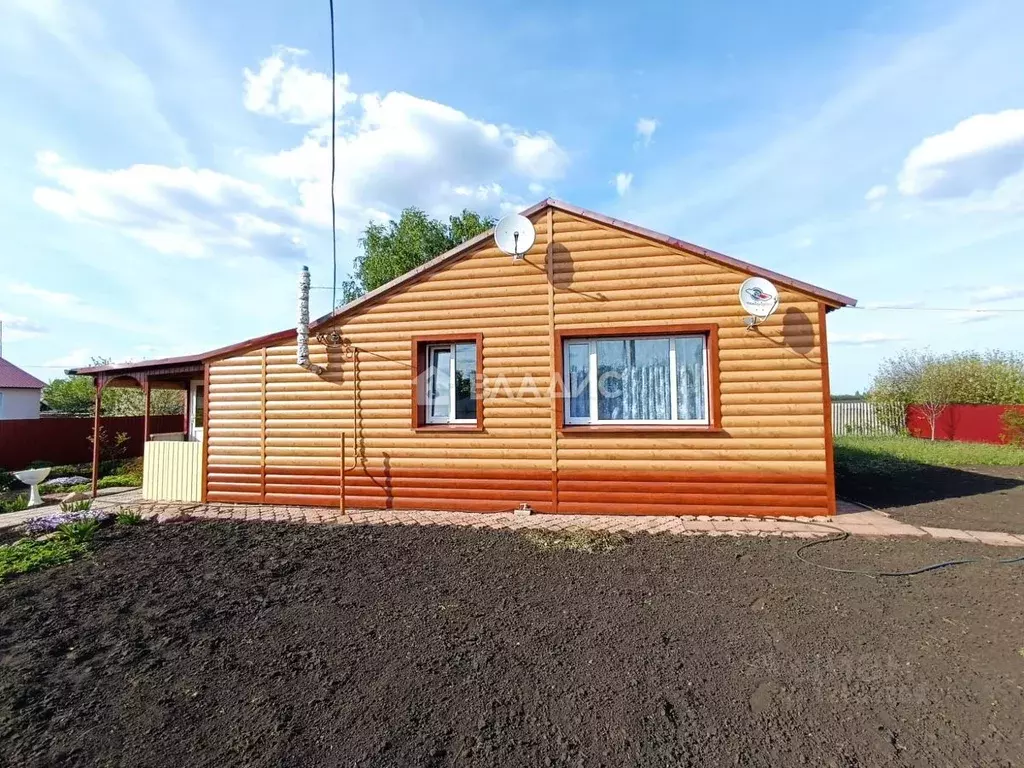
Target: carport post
{"points": [[96, 438], [145, 413]]}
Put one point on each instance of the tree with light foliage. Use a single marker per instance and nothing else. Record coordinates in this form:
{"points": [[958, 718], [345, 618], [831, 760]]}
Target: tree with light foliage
{"points": [[391, 249], [76, 396], [931, 381]]}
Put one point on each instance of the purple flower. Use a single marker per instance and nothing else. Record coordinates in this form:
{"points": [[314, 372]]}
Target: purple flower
{"points": [[48, 523]]}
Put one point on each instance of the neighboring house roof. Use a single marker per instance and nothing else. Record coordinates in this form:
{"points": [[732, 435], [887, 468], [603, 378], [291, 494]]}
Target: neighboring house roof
{"points": [[830, 298], [12, 377]]}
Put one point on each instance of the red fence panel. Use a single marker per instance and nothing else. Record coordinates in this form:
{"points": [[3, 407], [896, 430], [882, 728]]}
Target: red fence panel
{"points": [[963, 423], [65, 440]]}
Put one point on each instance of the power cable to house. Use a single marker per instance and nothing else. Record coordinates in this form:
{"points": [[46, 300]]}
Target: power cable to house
{"points": [[334, 129], [896, 308]]}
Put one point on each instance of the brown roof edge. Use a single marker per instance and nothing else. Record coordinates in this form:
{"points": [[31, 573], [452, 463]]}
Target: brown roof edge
{"points": [[827, 296], [167, 362]]}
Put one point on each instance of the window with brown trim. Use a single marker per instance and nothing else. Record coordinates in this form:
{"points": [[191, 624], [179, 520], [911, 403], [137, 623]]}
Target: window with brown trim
{"points": [[638, 378], [447, 384]]}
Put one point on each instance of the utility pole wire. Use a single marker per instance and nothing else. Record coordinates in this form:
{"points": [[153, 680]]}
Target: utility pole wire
{"points": [[334, 120]]}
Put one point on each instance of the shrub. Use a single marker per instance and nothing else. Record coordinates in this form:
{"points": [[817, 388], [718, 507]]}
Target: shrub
{"points": [[979, 378], [120, 481], [49, 523], [17, 504], [128, 517], [72, 507], [31, 555], [129, 467], [1013, 426], [7, 480], [78, 531], [111, 448]]}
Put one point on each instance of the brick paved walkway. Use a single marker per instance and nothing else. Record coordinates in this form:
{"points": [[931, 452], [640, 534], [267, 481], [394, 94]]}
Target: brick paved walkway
{"points": [[851, 518]]}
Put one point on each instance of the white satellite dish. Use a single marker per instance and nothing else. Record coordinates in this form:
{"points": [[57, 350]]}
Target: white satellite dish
{"points": [[515, 235], [759, 298]]}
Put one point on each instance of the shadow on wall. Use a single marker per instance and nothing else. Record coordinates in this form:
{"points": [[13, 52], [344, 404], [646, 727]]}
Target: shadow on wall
{"points": [[797, 331], [565, 274], [885, 481]]}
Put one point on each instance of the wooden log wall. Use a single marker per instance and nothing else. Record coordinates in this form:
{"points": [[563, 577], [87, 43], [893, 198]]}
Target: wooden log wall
{"points": [[274, 429]]}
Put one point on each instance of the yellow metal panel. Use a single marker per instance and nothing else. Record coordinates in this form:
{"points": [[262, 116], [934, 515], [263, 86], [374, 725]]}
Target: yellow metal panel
{"points": [[172, 472]]}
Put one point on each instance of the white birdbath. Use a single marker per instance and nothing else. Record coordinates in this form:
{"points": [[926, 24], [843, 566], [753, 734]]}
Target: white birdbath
{"points": [[32, 478]]}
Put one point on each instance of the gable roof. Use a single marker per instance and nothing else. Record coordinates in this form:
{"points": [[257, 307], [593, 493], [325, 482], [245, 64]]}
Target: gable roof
{"points": [[12, 377], [832, 299], [829, 298]]}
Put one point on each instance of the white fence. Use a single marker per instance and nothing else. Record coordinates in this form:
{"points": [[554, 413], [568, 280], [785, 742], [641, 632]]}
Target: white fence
{"points": [[858, 417]]}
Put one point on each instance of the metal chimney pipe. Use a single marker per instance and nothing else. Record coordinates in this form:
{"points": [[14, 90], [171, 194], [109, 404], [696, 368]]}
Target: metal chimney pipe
{"points": [[302, 329]]}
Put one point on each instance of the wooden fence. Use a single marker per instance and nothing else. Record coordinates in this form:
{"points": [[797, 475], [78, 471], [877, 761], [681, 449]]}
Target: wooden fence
{"points": [[859, 417], [66, 440]]}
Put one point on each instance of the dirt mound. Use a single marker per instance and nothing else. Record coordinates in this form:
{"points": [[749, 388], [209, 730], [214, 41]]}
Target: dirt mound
{"points": [[207, 644]]}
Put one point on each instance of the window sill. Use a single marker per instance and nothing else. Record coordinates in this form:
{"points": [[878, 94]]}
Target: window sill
{"points": [[449, 428], [589, 429]]}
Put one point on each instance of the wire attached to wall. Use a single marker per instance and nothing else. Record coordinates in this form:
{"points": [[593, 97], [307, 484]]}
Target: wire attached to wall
{"points": [[334, 128]]}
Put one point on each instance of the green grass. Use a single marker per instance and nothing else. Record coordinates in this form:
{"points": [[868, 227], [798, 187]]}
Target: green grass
{"points": [[884, 452], [31, 555], [130, 480]]}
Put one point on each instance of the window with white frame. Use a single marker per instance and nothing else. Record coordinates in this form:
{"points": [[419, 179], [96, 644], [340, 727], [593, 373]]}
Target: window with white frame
{"points": [[636, 380], [451, 383]]}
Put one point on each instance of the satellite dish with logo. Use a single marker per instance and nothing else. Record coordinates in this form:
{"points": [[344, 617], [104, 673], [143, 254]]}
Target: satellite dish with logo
{"points": [[515, 235], [759, 298]]}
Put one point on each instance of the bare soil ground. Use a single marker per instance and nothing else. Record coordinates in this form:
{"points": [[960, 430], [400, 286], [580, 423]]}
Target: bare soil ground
{"points": [[214, 644], [972, 498]]}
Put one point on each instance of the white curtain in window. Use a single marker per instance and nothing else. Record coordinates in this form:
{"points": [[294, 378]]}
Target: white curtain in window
{"points": [[690, 378], [579, 381], [634, 380]]}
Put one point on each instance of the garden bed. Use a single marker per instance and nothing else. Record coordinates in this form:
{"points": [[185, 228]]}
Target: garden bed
{"points": [[934, 484], [273, 645]]}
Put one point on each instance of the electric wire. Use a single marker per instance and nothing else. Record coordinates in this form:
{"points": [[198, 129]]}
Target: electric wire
{"points": [[334, 129]]}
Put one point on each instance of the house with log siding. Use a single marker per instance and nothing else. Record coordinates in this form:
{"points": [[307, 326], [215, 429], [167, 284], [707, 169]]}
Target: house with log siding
{"points": [[610, 371]]}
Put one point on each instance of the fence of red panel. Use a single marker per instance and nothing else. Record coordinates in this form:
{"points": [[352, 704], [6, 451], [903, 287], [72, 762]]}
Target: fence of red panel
{"points": [[963, 423], [65, 440]]}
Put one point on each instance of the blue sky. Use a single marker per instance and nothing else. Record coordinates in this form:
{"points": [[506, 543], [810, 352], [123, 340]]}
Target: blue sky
{"points": [[165, 165]]}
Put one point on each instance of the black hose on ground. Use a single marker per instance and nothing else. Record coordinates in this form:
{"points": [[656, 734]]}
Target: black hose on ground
{"points": [[842, 535]]}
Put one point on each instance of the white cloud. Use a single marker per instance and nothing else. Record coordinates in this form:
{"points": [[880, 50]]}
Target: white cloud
{"points": [[283, 89], [997, 293], [393, 151], [20, 328], [68, 306], [623, 181], [864, 339], [645, 128], [172, 210], [536, 188], [398, 150], [876, 193], [977, 154]]}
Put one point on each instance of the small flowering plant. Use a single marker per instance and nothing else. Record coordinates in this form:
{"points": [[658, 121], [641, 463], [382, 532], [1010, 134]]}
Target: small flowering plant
{"points": [[37, 526]]}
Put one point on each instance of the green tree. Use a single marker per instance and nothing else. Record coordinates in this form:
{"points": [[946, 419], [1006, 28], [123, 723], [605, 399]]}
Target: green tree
{"points": [[392, 249], [934, 381], [76, 395]]}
